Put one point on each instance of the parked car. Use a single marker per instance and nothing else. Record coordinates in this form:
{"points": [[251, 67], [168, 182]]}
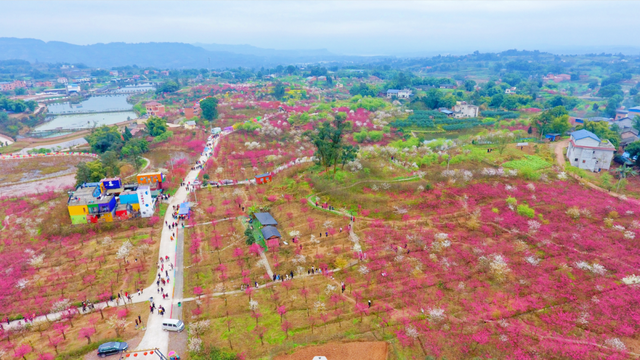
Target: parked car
{"points": [[226, 182], [112, 348]]}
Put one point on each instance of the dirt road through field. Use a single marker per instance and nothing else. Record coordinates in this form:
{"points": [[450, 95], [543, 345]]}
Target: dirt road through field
{"points": [[558, 148]]}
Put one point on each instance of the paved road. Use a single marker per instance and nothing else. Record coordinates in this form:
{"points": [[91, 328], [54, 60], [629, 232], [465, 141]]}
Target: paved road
{"points": [[155, 337], [176, 311], [55, 147]]}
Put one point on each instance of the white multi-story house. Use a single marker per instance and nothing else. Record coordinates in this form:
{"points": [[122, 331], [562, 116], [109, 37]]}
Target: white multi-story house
{"points": [[400, 94], [464, 110], [587, 151]]}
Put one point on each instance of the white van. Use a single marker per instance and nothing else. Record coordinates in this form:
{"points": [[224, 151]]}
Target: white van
{"points": [[172, 325]]}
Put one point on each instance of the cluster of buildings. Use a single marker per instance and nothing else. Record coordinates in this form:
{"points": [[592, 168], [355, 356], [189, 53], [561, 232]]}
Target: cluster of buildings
{"points": [[623, 122], [557, 78], [12, 85], [155, 108], [267, 226], [110, 199]]}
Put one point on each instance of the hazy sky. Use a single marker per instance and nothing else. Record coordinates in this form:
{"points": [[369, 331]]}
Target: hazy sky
{"points": [[359, 27]]}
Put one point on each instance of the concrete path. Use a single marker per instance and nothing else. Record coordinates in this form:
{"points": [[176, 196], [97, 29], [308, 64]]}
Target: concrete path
{"points": [[55, 147], [154, 336], [267, 266]]}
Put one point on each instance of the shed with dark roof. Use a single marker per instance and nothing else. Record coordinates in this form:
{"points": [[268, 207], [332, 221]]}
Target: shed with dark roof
{"points": [[265, 219], [270, 232]]}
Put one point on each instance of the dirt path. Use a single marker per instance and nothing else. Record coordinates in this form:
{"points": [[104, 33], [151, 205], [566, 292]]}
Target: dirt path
{"points": [[558, 148]]}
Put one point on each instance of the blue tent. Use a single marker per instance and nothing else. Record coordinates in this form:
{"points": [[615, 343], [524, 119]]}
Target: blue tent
{"points": [[184, 209]]}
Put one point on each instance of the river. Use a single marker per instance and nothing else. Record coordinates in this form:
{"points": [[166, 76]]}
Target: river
{"points": [[92, 104], [85, 121]]}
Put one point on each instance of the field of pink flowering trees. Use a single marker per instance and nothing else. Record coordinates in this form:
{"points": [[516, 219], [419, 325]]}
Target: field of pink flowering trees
{"points": [[494, 268]]}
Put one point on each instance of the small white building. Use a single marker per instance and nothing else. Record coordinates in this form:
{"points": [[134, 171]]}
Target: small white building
{"points": [[587, 151], [73, 88], [464, 110], [400, 94]]}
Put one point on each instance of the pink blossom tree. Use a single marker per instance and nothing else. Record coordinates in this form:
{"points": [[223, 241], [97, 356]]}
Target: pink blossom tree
{"points": [[87, 332], [281, 311]]}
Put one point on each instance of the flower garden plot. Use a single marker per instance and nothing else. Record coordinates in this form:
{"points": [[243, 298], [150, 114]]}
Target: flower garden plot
{"points": [[21, 170], [219, 260], [475, 275], [50, 260], [243, 156], [74, 337]]}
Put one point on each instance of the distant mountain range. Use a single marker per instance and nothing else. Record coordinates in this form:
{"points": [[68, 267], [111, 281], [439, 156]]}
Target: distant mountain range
{"points": [[163, 55]]}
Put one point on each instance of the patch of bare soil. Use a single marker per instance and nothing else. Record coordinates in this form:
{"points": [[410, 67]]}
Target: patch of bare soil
{"points": [[178, 342], [369, 350]]}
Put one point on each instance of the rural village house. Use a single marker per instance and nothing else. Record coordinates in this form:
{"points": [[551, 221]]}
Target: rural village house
{"points": [[587, 151]]}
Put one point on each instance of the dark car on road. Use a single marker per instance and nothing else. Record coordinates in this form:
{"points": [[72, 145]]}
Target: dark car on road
{"points": [[112, 348]]}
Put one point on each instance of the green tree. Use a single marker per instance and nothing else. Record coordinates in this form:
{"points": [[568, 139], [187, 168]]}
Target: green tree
{"points": [[133, 151], [110, 163], [91, 171], [624, 172], [291, 69], [209, 107], [105, 138], [496, 100], [560, 124], [633, 149], [127, 134], [610, 90], [469, 85], [31, 105], [510, 103], [278, 90], [156, 126], [349, 153], [328, 140], [250, 238], [168, 87], [543, 121]]}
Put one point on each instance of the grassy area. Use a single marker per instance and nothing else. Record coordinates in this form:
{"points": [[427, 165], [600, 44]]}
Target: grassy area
{"points": [[162, 210]]}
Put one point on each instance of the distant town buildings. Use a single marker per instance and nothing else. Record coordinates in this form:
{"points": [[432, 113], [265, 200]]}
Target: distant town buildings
{"points": [[16, 84], [46, 84]]}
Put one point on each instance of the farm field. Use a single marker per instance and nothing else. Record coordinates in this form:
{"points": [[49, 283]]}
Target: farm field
{"points": [[26, 170], [463, 239]]}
